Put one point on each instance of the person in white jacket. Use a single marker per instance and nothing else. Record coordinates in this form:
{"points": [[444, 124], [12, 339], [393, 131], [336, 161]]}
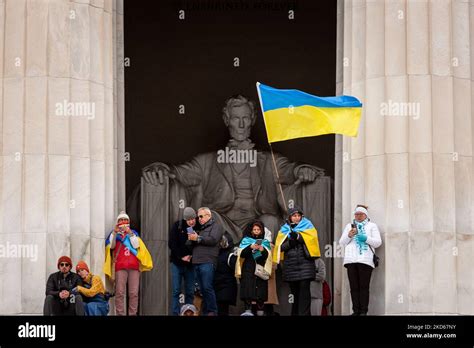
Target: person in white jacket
{"points": [[360, 239]]}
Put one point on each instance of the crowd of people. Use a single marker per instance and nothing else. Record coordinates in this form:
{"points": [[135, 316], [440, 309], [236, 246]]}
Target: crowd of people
{"points": [[210, 270]]}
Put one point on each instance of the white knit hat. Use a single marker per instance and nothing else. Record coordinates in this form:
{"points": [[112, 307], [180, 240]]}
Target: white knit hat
{"points": [[123, 215], [188, 307], [361, 210]]}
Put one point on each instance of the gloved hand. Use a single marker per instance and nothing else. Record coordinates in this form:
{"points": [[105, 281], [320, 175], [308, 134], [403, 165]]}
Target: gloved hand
{"points": [[361, 237]]}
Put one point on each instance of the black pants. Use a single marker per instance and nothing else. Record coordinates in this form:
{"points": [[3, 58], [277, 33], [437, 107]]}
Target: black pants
{"points": [[55, 306], [359, 280], [301, 297]]}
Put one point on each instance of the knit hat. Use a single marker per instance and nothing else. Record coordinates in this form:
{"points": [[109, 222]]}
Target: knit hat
{"points": [[189, 213], [188, 307], [294, 210], [123, 215], [64, 259], [361, 209], [82, 265]]}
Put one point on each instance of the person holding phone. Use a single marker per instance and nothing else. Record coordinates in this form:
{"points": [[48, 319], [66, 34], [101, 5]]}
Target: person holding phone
{"points": [[254, 251], [360, 238], [180, 258], [126, 256]]}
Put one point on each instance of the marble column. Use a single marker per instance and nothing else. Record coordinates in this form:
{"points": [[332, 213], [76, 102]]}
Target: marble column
{"points": [[413, 169], [61, 171]]}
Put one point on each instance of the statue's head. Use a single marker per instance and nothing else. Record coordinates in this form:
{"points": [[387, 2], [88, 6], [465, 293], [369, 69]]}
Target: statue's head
{"points": [[239, 116]]}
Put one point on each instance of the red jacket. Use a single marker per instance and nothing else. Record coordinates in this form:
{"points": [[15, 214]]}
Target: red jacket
{"points": [[326, 298], [125, 258]]}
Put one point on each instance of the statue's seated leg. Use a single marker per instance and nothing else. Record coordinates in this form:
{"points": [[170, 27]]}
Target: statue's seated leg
{"points": [[272, 222], [228, 226]]}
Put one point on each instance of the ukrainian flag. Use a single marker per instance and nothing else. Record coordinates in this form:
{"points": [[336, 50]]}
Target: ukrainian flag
{"points": [[291, 114], [308, 233], [142, 254]]}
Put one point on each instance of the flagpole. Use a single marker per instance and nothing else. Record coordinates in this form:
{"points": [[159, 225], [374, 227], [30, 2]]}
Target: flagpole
{"points": [[271, 150]]}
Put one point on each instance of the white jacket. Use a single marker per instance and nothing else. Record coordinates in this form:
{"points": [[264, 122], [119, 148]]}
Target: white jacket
{"points": [[351, 252]]}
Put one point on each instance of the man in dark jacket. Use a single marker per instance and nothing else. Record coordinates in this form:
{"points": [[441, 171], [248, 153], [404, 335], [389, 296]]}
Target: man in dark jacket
{"points": [[298, 268], [59, 298], [180, 257], [205, 253]]}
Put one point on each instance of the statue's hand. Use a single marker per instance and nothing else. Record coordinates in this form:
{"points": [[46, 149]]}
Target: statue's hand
{"points": [[308, 174], [155, 173]]}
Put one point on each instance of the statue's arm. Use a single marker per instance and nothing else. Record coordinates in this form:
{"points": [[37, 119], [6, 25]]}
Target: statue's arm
{"points": [[188, 174], [294, 172]]}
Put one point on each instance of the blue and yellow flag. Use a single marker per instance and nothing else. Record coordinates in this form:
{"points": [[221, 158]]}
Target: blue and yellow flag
{"points": [[142, 254], [291, 114], [307, 231], [246, 241]]}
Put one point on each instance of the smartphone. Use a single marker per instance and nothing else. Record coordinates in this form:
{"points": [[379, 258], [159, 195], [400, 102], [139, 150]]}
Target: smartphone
{"points": [[259, 241], [353, 225], [190, 230]]}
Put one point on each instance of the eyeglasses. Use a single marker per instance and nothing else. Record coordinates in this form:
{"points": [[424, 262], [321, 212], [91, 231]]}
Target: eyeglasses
{"points": [[201, 216], [64, 264]]}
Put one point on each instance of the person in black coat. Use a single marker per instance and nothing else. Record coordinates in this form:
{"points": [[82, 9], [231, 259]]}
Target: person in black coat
{"points": [[298, 267], [225, 284], [180, 257], [254, 250], [59, 297]]}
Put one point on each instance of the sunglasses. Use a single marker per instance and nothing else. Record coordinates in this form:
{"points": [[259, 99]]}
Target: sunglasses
{"points": [[63, 264], [201, 216]]}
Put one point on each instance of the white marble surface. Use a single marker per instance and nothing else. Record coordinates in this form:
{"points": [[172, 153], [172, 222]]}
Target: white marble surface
{"points": [[59, 175], [415, 173]]}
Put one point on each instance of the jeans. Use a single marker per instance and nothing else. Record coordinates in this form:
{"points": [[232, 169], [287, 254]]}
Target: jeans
{"points": [[96, 306], [205, 277], [177, 275]]}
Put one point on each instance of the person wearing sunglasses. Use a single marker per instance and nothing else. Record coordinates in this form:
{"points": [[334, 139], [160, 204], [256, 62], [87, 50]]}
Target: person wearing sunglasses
{"points": [[205, 254], [59, 297]]}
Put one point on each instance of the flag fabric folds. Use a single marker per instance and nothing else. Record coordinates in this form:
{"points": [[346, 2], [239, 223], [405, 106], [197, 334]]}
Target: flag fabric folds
{"points": [[291, 114], [246, 241], [142, 254], [309, 234]]}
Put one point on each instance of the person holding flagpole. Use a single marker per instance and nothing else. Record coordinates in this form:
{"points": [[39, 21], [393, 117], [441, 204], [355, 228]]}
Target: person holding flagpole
{"points": [[297, 246]]}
